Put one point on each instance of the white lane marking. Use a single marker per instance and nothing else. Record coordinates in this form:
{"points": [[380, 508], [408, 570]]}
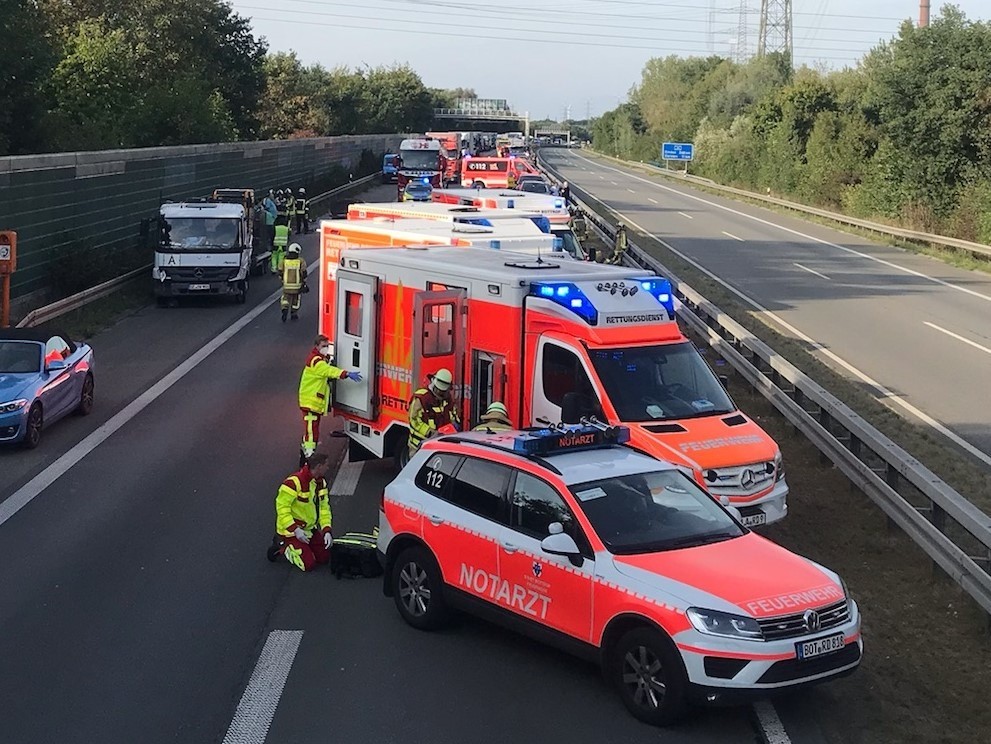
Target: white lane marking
{"points": [[771, 726], [346, 480], [686, 216], [958, 337], [30, 490], [602, 178], [652, 201], [731, 235], [812, 271], [261, 698], [614, 183], [631, 191], [821, 241], [883, 393]]}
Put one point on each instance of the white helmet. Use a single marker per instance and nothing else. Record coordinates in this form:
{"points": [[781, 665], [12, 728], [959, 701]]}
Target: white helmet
{"points": [[294, 248], [302, 190]]}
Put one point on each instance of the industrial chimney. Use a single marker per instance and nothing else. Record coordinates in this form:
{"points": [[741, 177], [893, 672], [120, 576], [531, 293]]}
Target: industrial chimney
{"points": [[923, 13]]}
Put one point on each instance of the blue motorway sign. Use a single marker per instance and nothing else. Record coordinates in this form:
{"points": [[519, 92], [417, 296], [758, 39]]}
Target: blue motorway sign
{"points": [[677, 151]]}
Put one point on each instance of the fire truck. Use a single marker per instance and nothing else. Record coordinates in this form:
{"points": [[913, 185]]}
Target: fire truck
{"points": [[553, 207], [451, 144], [553, 341], [422, 159]]}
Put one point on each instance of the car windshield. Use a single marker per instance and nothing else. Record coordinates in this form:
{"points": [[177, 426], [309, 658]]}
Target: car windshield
{"points": [[652, 512], [570, 243], [657, 383], [535, 187], [19, 357], [194, 233], [420, 160]]}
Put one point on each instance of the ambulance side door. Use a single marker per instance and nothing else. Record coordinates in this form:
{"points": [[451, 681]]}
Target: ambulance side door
{"points": [[439, 337], [562, 386], [547, 589], [462, 518], [355, 341]]}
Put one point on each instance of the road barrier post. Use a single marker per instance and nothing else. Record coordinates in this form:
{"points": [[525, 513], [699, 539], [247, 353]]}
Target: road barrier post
{"points": [[8, 263]]}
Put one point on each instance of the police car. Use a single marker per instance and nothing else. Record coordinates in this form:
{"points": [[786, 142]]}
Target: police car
{"points": [[569, 536]]}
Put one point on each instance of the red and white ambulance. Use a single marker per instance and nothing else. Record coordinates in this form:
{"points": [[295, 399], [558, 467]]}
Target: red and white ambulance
{"points": [[568, 536], [553, 207], [554, 340], [493, 173]]}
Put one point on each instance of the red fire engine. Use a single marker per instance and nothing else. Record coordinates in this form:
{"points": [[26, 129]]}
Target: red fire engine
{"points": [[554, 341], [422, 159]]}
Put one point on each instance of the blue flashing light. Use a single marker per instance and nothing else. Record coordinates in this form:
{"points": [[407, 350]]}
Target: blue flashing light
{"points": [[559, 203], [495, 245], [553, 441], [660, 288], [542, 222], [567, 295], [426, 180], [558, 244], [510, 204]]}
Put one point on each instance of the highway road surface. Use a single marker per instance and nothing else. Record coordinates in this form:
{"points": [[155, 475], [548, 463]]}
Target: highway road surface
{"points": [[913, 327], [138, 606]]}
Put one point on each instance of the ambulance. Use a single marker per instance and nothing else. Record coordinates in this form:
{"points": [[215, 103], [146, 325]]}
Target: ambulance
{"points": [[492, 173], [552, 340], [554, 207], [571, 536], [421, 159]]}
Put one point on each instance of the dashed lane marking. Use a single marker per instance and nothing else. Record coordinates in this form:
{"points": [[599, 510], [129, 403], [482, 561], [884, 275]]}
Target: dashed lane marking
{"points": [[346, 481], [652, 201], [731, 235], [260, 700], [812, 271], [771, 727], [958, 337], [686, 216]]}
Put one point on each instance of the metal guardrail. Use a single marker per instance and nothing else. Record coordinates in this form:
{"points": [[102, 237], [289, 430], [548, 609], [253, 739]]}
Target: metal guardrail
{"points": [[975, 249], [952, 531], [81, 299]]}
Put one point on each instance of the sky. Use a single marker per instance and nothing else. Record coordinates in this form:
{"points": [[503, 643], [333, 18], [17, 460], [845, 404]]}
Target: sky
{"points": [[563, 58]]}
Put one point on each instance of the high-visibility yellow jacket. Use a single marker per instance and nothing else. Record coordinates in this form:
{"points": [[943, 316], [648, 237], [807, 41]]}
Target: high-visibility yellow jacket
{"points": [[314, 383], [303, 501], [281, 239], [493, 425], [293, 274], [427, 414]]}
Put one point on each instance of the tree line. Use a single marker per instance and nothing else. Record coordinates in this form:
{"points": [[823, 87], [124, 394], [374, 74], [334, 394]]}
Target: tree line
{"points": [[102, 74], [903, 137]]}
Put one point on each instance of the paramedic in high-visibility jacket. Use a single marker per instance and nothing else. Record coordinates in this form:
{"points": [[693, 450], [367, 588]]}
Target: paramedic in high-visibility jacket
{"points": [[293, 282], [314, 391], [495, 418], [302, 516], [431, 409], [279, 243]]}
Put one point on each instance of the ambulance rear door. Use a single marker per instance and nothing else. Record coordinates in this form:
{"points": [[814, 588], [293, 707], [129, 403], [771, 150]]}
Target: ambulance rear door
{"points": [[439, 337], [354, 341]]}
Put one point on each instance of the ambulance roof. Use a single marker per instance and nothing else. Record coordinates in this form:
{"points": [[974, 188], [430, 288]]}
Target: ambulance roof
{"points": [[492, 265], [522, 228], [204, 210], [453, 211], [530, 199]]}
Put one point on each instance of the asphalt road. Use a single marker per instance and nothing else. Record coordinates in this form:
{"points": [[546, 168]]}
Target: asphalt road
{"points": [[911, 324], [137, 600]]}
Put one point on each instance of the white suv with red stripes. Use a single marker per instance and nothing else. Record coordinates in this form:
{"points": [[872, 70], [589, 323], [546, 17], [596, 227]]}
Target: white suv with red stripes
{"points": [[594, 547]]}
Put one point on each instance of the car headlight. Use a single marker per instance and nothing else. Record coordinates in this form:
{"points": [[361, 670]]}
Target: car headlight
{"points": [[14, 405], [779, 468], [712, 622]]}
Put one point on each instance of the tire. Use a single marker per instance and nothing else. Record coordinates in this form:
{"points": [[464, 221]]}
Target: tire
{"points": [[418, 589], [85, 407], [242, 295], [650, 676], [402, 455], [35, 423], [478, 185]]}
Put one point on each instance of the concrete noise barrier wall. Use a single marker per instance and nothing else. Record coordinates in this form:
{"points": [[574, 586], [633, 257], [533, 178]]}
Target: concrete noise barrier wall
{"points": [[95, 202]]}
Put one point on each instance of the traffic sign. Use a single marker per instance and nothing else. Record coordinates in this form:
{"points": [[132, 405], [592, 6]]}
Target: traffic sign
{"points": [[677, 151]]}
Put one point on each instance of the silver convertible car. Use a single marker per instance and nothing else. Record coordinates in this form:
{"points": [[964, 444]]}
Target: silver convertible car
{"points": [[43, 377]]}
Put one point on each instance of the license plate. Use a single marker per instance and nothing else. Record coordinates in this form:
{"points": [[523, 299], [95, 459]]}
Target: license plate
{"points": [[820, 646], [754, 520], [194, 287]]}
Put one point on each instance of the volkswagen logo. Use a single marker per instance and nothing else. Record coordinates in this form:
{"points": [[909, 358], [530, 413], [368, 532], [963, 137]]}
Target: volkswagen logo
{"points": [[747, 478], [812, 620], [199, 275]]}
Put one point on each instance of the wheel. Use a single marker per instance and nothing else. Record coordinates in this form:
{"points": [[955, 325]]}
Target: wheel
{"points": [[478, 185], [85, 407], [650, 676], [36, 420], [242, 295], [418, 589], [402, 455]]}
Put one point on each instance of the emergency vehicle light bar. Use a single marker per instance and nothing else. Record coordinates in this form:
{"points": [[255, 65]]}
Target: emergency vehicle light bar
{"points": [[570, 439], [567, 295], [661, 289]]}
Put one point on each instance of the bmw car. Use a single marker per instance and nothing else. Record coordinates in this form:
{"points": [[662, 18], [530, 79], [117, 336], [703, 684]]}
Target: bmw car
{"points": [[44, 376], [417, 191]]}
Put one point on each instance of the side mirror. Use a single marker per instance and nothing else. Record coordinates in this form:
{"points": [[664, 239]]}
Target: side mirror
{"points": [[55, 365], [571, 408], [559, 543]]}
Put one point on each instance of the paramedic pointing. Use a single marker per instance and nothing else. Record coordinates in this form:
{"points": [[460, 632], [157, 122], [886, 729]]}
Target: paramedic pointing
{"points": [[431, 409], [314, 391]]}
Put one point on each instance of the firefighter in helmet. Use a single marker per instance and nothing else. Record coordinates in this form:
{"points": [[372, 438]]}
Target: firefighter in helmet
{"points": [[619, 246], [302, 213], [293, 282], [431, 409], [495, 418]]}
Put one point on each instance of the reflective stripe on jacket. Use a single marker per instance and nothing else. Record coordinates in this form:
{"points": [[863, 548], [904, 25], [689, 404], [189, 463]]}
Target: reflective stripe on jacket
{"points": [[300, 501], [281, 236], [293, 273], [428, 413], [314, 383]]}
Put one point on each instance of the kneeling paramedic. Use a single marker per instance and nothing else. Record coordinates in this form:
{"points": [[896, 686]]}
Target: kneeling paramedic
{"points": [[302, 516], [431, 409], [495, 418], [293, 282], [314, 391]]}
